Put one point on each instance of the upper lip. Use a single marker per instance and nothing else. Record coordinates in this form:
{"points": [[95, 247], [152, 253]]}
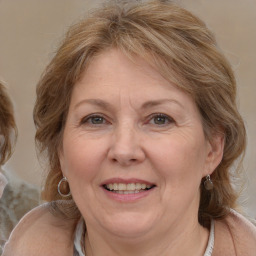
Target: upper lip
{"points": [[126, 181]]}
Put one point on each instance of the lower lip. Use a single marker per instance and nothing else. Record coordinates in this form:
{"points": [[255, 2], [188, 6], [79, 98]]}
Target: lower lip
{"points": [[127, 197]]}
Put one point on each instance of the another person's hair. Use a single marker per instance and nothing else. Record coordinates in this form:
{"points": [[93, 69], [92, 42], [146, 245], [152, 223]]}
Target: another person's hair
{"points": [[183, 50], [8, 130]]}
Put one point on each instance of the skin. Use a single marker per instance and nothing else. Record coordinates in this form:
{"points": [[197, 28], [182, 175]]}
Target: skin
{"points": [[143, 127]]}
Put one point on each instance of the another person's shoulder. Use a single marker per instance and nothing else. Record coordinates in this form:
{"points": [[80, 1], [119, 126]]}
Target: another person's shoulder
{"points": [[235, 234], [41, 233]]}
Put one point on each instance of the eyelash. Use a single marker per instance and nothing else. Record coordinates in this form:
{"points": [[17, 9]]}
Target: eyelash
{"points": [[160, 115], [89, 119]]}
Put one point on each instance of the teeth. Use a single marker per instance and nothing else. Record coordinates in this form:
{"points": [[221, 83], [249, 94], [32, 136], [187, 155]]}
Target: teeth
{"points": [[143, 186], [130, 186], [115, 186], [122, 188], [127, 192], [138, 186]]}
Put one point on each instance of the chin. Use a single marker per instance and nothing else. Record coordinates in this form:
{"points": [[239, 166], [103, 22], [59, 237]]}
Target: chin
{"points": [[129, 225]]}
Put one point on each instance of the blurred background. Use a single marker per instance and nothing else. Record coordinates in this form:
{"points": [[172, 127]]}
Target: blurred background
{"points": [[30, 32]]}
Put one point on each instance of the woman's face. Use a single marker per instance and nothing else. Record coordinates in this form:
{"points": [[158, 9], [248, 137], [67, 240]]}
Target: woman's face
{"points": [[134, 149]]}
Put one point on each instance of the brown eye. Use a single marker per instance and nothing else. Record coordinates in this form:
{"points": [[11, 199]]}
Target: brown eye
{"points": [[160, 120]]}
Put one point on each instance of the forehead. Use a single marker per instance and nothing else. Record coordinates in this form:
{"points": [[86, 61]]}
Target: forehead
{"points": [[116, 69], [114, 78]]}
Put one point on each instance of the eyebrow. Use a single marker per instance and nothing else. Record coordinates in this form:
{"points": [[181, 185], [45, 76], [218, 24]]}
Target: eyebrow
{"points": [[149, 104], [153, 103], [96, 102]]}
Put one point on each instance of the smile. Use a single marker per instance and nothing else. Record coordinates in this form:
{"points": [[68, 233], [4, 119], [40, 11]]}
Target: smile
{"points": [[130, 188]]}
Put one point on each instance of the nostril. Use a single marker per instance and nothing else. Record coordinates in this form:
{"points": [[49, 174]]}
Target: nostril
{"points": [[124, 161], [125, 154]]}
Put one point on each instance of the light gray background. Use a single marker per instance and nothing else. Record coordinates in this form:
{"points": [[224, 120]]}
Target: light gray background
{"points": [[31, 29]]}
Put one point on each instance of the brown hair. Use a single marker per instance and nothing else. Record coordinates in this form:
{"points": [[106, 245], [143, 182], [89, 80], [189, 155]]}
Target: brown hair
{"points": [[7, 126], [184, 51]]}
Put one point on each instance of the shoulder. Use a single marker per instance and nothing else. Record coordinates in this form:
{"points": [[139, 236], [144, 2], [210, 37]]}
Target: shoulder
{"points": [[41, 233], [10, 209], [235, 234]]}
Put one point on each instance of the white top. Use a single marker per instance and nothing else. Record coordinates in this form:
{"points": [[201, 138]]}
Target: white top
{"points": [[78, 238], [80, 229]]}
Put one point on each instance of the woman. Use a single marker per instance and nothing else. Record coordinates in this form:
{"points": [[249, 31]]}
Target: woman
{"points": [[17, 197], [8, 134], [7, 128], [137, 115]]}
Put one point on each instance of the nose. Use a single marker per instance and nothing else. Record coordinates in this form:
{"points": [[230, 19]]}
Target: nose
{"points": [[126, 148]]}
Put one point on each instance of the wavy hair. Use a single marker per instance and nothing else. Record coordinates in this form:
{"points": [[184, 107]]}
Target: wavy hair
{"points": [[8, 129], [184, 51]]}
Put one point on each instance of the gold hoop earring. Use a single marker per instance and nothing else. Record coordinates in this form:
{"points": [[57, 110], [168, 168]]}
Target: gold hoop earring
{"points": [[64, 179]]}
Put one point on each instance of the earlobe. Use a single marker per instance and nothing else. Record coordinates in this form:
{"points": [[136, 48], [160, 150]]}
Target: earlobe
{"points": [[214, 152]]}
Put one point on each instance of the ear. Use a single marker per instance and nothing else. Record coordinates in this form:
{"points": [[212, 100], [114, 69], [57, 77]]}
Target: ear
{"points": [[215, 148]]}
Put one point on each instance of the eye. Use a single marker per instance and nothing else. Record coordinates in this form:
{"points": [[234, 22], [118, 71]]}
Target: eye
{"points": [[160, 119], [97, 120], [94, 120]]}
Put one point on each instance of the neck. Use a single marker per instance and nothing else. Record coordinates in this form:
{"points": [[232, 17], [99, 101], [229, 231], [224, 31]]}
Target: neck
{"points": [[190, 240]]}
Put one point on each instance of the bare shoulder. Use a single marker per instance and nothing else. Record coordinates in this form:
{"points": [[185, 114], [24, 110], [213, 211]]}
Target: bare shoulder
{"points": [[41, 233]]}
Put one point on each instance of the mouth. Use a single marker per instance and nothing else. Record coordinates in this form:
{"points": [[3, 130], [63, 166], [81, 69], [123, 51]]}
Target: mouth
{"points": [[129, 188]]}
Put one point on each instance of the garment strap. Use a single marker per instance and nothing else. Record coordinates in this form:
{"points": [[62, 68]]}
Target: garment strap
{"points": [[78, 238]]}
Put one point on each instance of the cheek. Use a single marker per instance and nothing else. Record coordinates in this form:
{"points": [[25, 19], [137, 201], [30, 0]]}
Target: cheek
{"points": [[81, 164], [179, 161], [80, 159], [179, 166]]}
